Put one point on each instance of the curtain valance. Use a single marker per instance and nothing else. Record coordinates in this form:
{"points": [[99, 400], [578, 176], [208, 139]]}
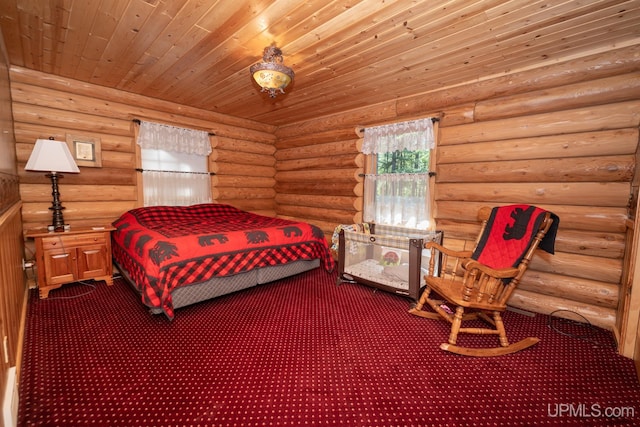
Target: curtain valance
{"points": [[415, 135], [170, 138]]}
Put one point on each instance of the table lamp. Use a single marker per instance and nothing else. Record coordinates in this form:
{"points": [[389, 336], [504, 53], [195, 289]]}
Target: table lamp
{"points": [[53, 157]]}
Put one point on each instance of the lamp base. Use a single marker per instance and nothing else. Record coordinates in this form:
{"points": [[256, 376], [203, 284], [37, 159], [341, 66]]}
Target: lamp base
{"points": [[56, 207], [65, 227]]}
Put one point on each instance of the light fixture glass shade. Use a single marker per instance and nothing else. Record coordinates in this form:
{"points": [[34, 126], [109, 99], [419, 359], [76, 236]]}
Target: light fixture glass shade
{"points": [[272, 75], [51, 156]]}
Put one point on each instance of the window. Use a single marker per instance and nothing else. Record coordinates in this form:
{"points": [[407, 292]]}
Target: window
{"points": [[174, 165], [397, 181]]}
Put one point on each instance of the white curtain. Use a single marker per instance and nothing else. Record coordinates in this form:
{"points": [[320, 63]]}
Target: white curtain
{"points": [[175, 165], [175, 189], [170, 138], [398, 198], [416, 135]]}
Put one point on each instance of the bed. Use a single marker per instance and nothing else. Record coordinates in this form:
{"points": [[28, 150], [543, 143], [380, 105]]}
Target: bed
{"points": [[175, 256]]}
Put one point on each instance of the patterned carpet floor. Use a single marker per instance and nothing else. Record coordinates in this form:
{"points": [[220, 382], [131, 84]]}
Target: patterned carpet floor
{"points": [[305, 352]]}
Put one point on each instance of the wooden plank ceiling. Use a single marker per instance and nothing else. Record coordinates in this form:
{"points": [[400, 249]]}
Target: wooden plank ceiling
{"points": [[346, 54]]}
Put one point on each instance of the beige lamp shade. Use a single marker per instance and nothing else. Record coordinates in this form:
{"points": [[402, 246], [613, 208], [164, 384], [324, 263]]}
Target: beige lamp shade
{"points": [[51, 156]]}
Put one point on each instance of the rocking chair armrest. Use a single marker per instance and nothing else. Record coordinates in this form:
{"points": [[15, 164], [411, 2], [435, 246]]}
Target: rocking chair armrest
{"points": [[502, 273], [448, 252]]}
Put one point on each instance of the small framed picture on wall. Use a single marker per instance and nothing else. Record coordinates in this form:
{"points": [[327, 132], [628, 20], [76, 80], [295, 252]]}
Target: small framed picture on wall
{"points": [[85, 150]]}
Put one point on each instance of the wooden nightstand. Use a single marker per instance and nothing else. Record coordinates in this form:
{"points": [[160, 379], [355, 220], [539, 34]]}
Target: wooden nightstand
{"points": [[82, 253]]}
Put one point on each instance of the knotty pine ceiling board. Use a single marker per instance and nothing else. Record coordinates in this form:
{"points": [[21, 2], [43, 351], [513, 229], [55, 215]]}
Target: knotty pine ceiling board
{"points": [[346, 54]]}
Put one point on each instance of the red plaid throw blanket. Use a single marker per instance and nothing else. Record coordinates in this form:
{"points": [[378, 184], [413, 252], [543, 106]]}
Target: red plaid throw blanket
{"points": [[163, 247], [509, 232]]}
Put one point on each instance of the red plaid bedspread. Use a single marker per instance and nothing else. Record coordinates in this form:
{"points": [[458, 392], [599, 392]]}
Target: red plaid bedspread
{"points": [[163, 247]]}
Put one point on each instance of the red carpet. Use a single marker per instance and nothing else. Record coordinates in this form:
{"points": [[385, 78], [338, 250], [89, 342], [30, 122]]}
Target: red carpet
{"points": [[303, 352]]}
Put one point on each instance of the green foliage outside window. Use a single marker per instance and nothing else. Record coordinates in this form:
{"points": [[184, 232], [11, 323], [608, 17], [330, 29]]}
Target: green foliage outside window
{"points": [[404, 161]]}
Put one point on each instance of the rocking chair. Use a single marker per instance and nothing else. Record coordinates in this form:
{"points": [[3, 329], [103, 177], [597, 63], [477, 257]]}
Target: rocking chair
{"points": [[477, 284]]}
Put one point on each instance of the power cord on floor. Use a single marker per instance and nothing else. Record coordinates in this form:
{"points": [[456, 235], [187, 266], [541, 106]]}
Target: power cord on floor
{"points": [[561, 325], [90, 285]]}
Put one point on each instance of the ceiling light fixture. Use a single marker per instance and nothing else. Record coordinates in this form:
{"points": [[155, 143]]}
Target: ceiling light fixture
{"points": [[271, 74]]}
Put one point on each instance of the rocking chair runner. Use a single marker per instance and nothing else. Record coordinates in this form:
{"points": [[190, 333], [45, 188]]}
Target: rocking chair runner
{"points": [[481, 281]]}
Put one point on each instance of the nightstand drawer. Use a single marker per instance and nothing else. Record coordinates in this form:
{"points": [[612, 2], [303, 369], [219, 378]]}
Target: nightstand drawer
{"points": [[59, 241]]}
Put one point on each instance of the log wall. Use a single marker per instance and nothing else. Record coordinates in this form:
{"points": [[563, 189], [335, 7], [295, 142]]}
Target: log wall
{"points": [[563, 137], [245, 172], [303, 192], [45, 105]]}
